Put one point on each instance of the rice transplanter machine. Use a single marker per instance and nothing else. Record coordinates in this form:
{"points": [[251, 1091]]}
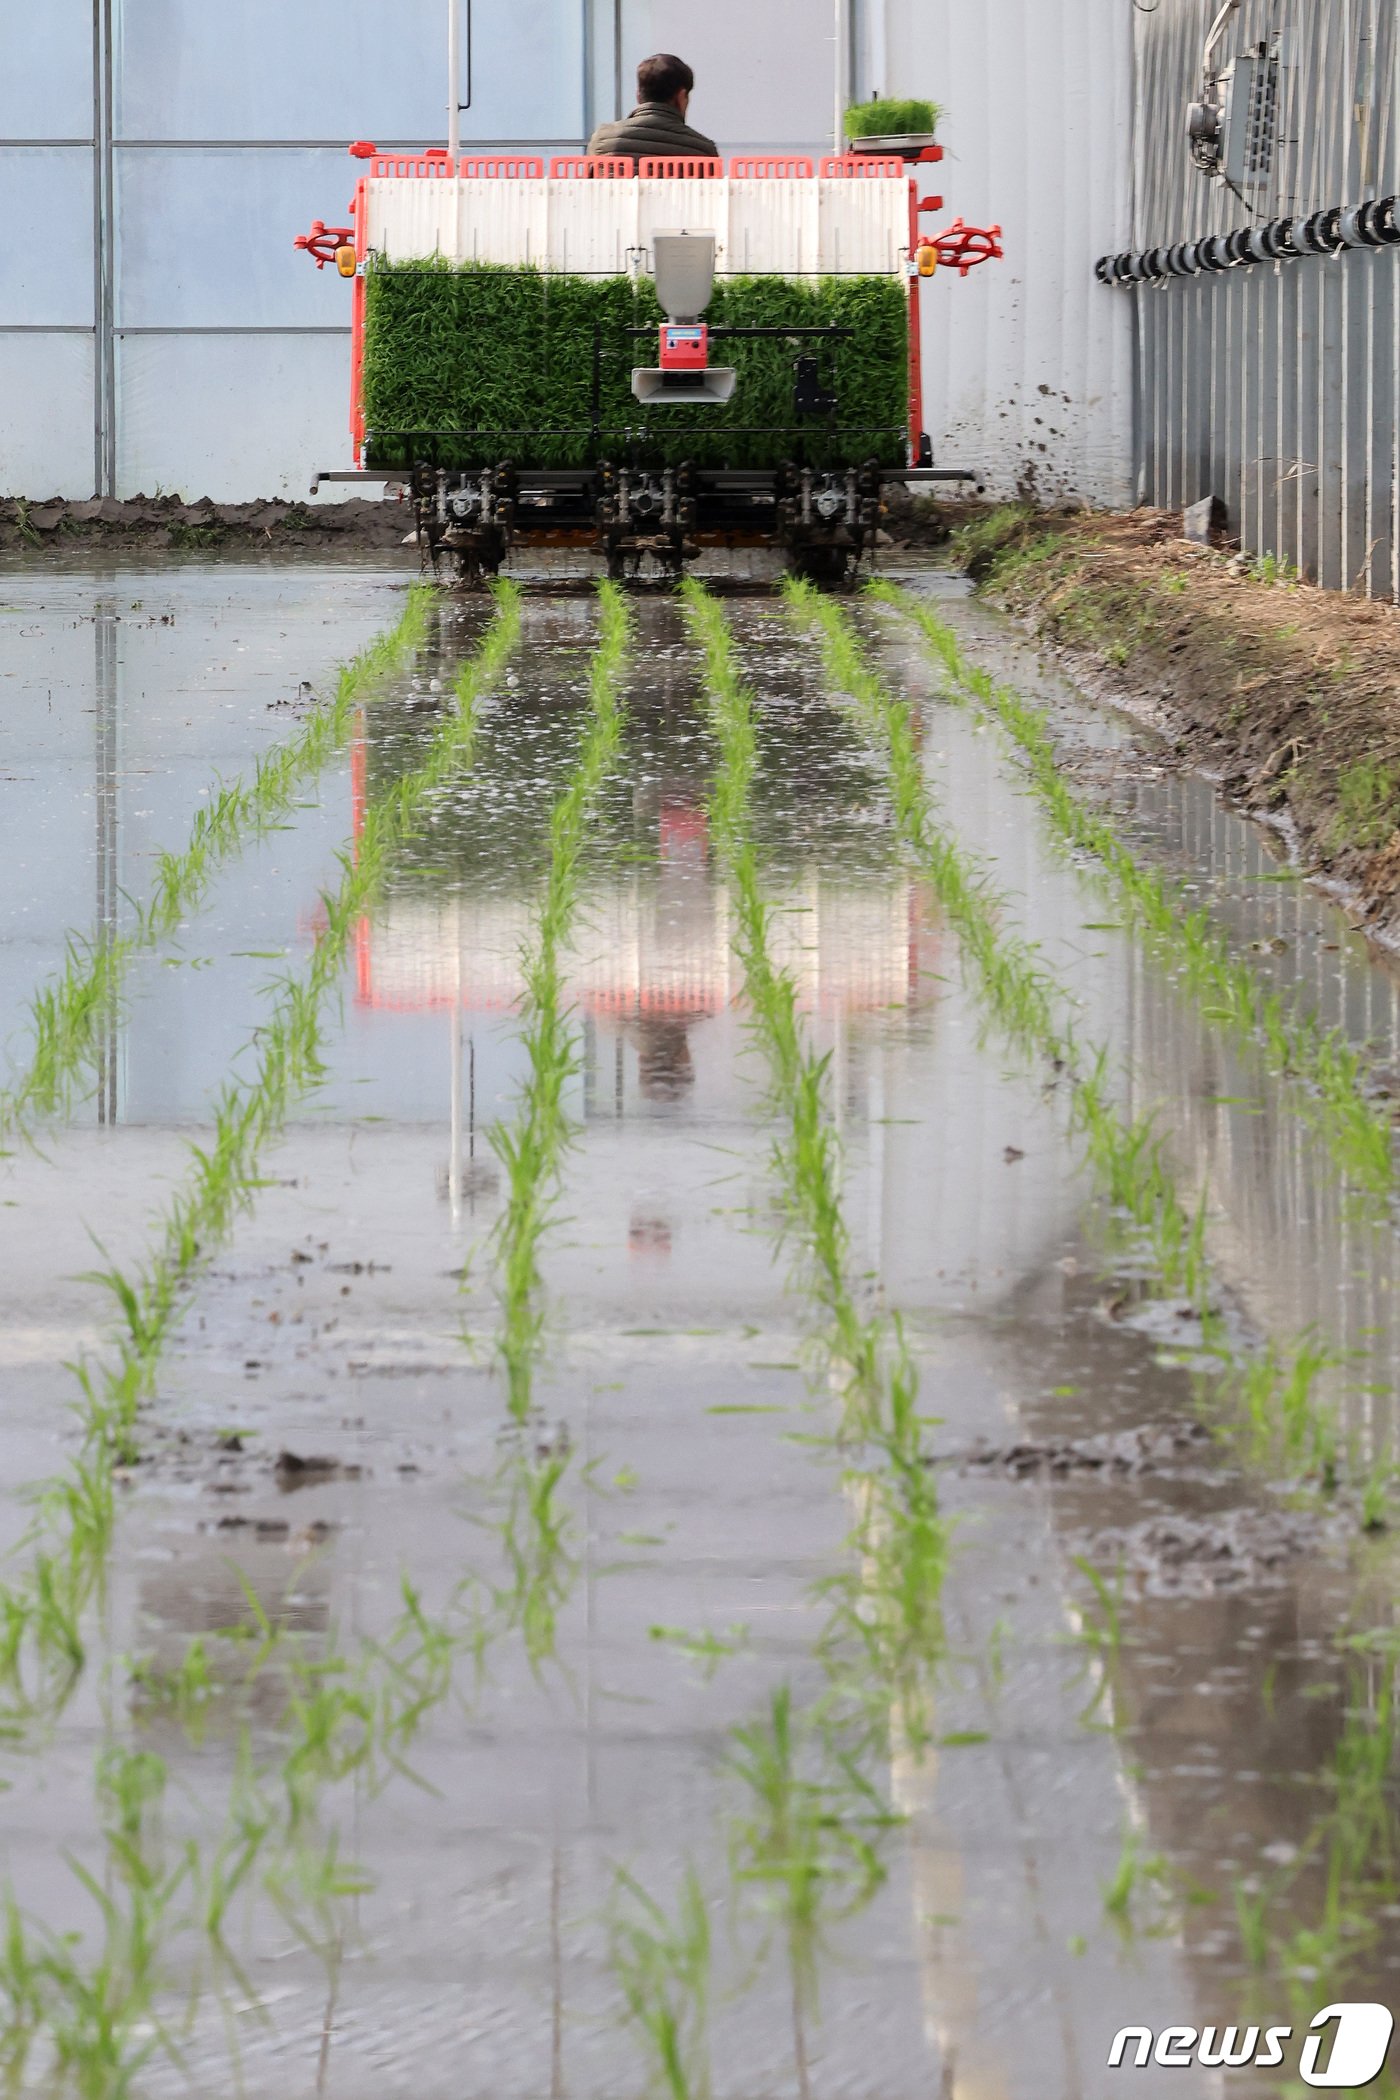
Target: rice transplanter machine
{"points": [[503, 314]]}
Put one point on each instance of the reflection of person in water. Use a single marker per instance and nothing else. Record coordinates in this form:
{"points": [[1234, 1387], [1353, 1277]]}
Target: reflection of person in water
{"points": [[665, 1068]]}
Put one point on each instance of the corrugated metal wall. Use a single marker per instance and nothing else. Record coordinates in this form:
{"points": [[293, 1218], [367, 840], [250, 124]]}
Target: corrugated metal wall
{"points": [[1274, 387], [158, 331]]}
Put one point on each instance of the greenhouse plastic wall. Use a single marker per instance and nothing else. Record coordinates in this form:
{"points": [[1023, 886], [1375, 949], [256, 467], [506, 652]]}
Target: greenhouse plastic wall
{"points": [[158, 332], [1273, 386], [1028, 374]]}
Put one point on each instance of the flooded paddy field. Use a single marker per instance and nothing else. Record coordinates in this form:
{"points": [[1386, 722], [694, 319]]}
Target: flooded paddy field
{"points": [[698, 1393]]}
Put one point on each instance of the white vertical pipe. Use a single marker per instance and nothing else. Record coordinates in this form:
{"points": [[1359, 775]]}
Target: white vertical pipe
{"points": [[838, 138], [454, 76], [454, 1116], [879, 82]]}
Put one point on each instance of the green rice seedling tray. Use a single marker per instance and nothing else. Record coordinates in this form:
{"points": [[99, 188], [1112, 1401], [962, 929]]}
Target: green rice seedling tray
{"points": [[892, 117], [468, 364]]}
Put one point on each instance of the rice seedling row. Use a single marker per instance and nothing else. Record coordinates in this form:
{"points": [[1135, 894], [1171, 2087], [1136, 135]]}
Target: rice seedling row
{"points": [[344, 1715], [806, 1842], [1331, 1074], [290, 1732], [40, 1615], [359, 1714], [804, 1879], [1352, 1850], [1027, 1007], [66, 1017], [900, 1543], [531, 1147], [91, 2008]]}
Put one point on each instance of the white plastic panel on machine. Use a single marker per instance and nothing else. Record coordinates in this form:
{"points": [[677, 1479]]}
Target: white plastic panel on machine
{"points": [[761, 226], [773, 228], [593, 226]]}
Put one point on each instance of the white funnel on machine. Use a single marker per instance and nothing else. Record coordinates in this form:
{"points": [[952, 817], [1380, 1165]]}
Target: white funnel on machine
{"points": [[683, 268]]}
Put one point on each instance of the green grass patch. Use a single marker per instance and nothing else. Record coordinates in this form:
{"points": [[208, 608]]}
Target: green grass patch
{"points": [[1368, 803]]}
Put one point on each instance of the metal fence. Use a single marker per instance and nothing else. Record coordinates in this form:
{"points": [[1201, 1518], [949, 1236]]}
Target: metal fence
{"points": [[1272, 385]]}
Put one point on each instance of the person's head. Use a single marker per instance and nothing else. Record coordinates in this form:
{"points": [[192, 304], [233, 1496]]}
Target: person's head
{"points": [[665, 78]]}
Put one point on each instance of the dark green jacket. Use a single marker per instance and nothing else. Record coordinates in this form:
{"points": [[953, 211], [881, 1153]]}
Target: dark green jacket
{"points": [[652, 128]]}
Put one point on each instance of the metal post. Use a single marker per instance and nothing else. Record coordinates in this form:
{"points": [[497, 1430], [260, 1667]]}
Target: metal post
{"points": [[454, 76], [104, 245], [838, 134], [586, 36], [617, 58], [878, 83]]}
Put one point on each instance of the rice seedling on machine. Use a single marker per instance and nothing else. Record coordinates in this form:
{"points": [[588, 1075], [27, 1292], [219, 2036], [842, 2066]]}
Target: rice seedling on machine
{"points": [[642, 358]]}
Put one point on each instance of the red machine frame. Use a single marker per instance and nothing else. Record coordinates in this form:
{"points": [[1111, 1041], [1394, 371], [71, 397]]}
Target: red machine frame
{"points": [[960, 247]]}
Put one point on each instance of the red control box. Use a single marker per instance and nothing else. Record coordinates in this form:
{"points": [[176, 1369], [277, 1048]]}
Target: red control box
{"points": [[685, 346]]}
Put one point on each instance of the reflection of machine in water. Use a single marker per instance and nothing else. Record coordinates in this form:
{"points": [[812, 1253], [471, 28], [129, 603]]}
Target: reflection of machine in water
{"points": [[652, 962], [647, 947]]}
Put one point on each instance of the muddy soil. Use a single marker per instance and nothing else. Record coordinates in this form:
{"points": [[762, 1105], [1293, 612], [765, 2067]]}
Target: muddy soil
{"points": [[43, 531], [1288, 695], [160, 524], [1164, 1651]]}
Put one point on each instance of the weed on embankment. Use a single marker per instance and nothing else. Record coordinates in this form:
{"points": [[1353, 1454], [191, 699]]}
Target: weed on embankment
{"points": [[1274, 684]]}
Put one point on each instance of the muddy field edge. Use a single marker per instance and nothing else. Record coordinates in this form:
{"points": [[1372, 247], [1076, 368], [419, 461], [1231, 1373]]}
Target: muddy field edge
{"points": [[1284, 694]]}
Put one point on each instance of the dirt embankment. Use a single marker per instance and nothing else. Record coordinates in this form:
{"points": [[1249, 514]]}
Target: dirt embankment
{"points": [[155, 524], [1287, 694], [162, 523]]}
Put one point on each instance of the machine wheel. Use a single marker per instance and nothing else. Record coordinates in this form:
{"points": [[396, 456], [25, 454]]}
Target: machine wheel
{"points": [[824, 565]]}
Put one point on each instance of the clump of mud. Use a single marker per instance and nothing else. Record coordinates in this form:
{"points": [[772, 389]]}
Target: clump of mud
{"points": [[1174, 1551], [1288, 695], [1123, 1455], [1240, 1549]]}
